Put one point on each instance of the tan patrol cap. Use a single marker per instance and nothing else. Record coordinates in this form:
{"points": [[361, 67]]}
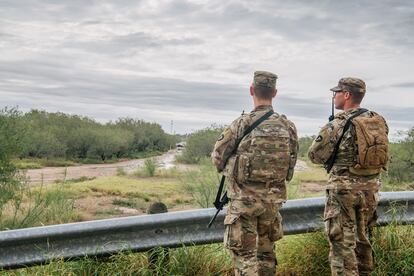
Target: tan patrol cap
{"points": [[264, 79], [351, 85]]}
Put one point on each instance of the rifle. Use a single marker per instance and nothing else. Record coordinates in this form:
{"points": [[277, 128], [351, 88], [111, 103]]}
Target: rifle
{"points": [[220, 201], [223, 200]]}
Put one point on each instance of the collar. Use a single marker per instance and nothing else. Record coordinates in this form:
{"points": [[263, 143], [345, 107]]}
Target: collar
{"points": [[346, 113], [263, 107]]}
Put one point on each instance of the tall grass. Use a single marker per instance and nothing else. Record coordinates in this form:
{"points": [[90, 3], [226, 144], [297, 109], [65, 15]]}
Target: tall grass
{"points": [[202, 184], [33, 207], [185, 261]]}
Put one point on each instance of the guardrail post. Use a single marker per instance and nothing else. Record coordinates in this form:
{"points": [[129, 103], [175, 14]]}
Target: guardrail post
{"points": [[155, 254]]}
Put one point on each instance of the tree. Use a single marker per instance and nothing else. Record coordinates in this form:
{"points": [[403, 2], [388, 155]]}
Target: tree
{"points": [[11, 134], [200, 144]]}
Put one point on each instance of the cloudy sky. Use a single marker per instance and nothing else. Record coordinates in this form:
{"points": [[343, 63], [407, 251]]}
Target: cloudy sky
{"points": [[193, 61]]}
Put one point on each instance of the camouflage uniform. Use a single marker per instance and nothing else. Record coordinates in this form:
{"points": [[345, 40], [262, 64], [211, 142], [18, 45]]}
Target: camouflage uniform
{"points": [[253, 222], [352, 199]]}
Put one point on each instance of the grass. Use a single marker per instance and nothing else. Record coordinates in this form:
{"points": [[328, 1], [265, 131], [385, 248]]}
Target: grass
{"points": [[389, 185], [303, 181], [74, 180], [120, 171], [127, 188], [39, 206], [315, 174], [305, 254], [159, 173], [133, 203], [186, 261], [38, 163]]}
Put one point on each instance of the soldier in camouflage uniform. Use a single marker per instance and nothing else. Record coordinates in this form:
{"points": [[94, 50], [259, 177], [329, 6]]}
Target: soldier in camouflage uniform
{"points": [[257, 171], [352, 193]]}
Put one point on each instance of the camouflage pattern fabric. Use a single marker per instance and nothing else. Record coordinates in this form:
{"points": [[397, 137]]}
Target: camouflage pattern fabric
{"points": [[252, 227], [352, 199], [253, 222], [349, 217]]}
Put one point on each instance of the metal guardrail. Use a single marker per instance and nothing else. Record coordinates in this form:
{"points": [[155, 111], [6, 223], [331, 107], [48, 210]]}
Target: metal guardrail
{"points": [[31, 246]]}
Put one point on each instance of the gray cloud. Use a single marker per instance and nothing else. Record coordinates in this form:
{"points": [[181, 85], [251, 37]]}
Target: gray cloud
{"points": [[193, 62], [403, 85]]}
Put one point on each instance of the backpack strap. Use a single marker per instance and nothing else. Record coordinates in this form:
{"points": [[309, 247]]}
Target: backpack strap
{"points": [[329, 164], [254, 125]]}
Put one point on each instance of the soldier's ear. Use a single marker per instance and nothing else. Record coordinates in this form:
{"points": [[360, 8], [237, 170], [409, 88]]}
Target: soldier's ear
{"points": [[251, 90], [274, 93]]}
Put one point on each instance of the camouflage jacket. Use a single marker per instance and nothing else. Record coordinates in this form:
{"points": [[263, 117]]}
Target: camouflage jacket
{"points": [[224, 156], [322, 147]]}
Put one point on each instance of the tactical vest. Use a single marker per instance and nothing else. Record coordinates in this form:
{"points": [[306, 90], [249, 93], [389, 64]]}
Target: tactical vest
{"points": [[264, 154]]}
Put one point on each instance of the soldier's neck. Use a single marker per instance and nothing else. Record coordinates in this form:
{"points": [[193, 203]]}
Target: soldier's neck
{"points": [[258, 102], [348, 106]]}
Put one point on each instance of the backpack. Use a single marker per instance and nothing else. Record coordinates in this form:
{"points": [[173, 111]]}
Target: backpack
{"points": [[372, 142], [264, 154]]}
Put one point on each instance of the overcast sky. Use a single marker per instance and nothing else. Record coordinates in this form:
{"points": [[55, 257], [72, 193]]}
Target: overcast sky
{"points": [[193, 61]]}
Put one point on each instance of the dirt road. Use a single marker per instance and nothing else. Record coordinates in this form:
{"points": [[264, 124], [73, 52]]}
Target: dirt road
{"points": [[49, 175]]}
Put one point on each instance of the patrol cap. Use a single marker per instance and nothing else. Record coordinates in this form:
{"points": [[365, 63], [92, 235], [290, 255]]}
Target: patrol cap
{"points": [[264, 79], [351, 85]]}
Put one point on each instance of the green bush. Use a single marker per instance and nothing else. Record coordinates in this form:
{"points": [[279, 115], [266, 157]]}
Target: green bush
{"points": [[11, 133], [401, 166], [199, 145], [120, 171], [150, 166], [304, 144]]}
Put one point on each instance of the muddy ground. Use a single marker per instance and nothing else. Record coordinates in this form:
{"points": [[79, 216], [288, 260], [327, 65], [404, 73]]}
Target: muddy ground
{"points": [[50, 175]]}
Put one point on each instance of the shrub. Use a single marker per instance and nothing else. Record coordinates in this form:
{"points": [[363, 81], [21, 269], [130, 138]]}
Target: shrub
{"points": [[120, 171], [150, 166], [401, 166], [199, 145], [304, 144]]}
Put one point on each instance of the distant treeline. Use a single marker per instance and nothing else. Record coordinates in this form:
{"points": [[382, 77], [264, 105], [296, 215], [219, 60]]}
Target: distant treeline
{"points": [[58, 135]]}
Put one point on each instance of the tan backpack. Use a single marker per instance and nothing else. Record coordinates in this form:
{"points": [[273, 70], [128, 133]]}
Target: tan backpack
{"points": [[372, 143]]}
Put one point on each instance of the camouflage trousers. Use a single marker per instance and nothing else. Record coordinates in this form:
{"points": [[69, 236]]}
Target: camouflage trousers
{"points": [[252, 227], [349, 218]]}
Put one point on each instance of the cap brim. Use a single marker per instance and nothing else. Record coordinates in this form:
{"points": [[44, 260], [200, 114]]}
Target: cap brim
{"points": [[336, 89]]}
